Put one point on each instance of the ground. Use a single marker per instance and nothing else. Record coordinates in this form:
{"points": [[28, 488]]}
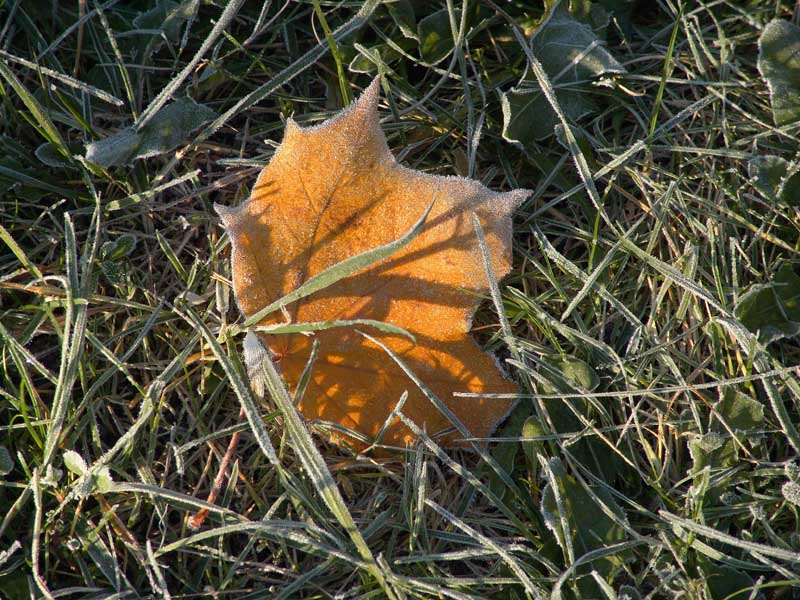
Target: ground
{"points": [[652, 307]]}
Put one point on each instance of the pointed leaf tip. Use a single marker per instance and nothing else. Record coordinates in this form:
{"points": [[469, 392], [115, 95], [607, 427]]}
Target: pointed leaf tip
{"points": [[227, 214]]}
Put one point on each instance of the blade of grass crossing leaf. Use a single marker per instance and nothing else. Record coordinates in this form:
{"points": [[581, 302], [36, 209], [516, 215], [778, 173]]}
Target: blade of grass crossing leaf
{"points": [[320, 326], [245, 396], [305, 376], [390, 419], [445, 410], [341, 270], [318, 471], [563, 533], [508, 335], [227, 16]]}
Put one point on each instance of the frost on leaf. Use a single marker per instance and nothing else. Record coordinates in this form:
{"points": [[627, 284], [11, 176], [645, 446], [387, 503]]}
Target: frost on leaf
{"points": [[333, 191]]}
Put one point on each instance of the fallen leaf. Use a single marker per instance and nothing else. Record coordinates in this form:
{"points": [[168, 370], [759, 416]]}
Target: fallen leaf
{"points": [[333, 191]]}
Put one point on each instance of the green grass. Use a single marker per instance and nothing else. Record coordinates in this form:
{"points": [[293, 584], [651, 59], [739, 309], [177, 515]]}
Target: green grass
{"points": [[655, 453]]}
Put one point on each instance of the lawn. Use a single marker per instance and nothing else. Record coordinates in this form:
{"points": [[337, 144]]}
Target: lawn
{"points": [[149, 445]]}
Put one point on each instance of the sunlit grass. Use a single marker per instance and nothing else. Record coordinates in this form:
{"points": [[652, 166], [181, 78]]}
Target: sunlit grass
{"points": [[654, 453]]}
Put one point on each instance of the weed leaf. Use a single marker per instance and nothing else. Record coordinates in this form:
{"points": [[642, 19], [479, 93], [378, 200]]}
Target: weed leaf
{"points": [[572, 56], [779, 65], [773, 309], [169, 128], [776, 178], [581, 519]]}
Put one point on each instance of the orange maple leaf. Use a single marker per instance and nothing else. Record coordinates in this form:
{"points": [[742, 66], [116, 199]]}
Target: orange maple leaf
{"points": [[333, 191]]}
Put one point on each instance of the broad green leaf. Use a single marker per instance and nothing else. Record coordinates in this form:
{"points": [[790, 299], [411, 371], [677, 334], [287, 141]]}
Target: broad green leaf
{"points": [[713, 450], [571, 375], [568, 373], [169, 128], [167, 17], [578, 371], [403, 14], [772, 309], [111, 258], [586, 514], [14, 585], [776, 178], [382, 53], [505, 453], [779, 65], [737, 414], [532, 429], [102, 480], [213, 76], [592, 13], [723, 582], [74, 462], [739, 411], [435, 36], [6, 462], [50, 155], [118, 248], [573, 57]]}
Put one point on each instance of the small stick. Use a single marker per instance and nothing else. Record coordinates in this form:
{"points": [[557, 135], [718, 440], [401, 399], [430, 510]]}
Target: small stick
{"points": [[197, 519]]}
